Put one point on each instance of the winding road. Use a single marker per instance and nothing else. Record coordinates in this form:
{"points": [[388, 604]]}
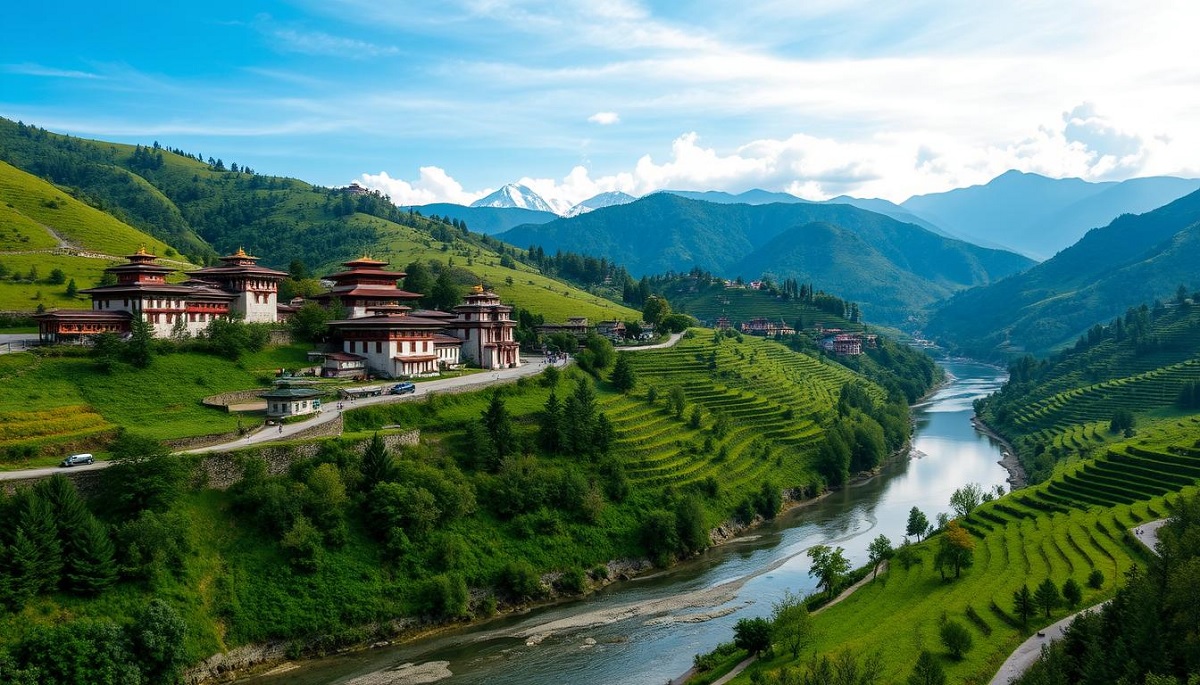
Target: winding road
{"points": [[530, 366], [1023, 657]]}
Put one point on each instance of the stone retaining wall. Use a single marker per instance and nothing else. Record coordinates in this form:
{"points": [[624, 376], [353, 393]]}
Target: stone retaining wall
{"points": [[223, 400], [220, 471], [86, 482]]}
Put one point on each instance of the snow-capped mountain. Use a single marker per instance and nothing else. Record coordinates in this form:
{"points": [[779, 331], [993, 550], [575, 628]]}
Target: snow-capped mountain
{"points": [[520, 196], [608, 199]]}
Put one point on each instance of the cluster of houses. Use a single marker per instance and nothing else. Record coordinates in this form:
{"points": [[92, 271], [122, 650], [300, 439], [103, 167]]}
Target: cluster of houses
{"points": [[844, 343], [382, 335], [579, 327], [833, 340]]}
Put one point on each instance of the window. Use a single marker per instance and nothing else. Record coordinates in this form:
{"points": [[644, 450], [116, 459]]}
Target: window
{"points": [[378, 347]]}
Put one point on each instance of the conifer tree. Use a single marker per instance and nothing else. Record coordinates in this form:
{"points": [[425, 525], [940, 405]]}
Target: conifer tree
{"points": [[35, 518], [21, 565], [550, 433], [91, 565], [623, 378], [377, 464], [579, 419], [497, 422]]}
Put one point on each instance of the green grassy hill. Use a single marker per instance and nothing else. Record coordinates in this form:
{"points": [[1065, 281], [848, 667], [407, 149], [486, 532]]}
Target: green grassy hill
{"points": [[1063, 407], [204, 209], [43, 227], [752, 422], [1133, 260], [1074, 524], [708, 301]]}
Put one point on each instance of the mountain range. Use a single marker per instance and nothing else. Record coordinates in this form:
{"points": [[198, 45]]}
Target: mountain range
{"points": [[1038, 216], [1023, 212], [1135, 259], [891, 268]]}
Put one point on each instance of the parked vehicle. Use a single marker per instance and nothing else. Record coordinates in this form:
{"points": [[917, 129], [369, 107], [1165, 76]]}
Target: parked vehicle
{"points": [[76, 459], [403, 389]]}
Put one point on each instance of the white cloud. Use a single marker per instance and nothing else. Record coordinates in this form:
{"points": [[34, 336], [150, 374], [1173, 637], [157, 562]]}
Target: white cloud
{"points": [[28, 69], [318, 43], [433, 185], [1081, 143], [605, 118]]}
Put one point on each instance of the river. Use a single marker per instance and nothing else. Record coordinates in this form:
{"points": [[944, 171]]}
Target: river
{"points": [[647, 630]]}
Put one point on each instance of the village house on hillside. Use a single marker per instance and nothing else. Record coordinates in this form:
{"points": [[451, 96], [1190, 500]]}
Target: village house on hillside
{"points": [[847, 344], [766, 327], [575, 325], [381, 334], [393, 341], [239, 287]]}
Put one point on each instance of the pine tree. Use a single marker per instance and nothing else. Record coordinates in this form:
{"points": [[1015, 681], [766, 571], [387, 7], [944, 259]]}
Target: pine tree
{"points": [[91, 565], [35, 517], [550, 433], [605, 435], [1047, 596], [497, 422], [1023, 604], [21, 566], [579, 419], [138, 351], [622, 376], [377, 464]]}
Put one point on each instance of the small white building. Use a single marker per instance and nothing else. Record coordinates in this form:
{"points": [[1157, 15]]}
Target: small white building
{"points": [[291, 401]]}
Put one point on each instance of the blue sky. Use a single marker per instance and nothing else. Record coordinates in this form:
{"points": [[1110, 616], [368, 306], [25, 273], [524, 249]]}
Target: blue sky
{"points": [[445, 101]]}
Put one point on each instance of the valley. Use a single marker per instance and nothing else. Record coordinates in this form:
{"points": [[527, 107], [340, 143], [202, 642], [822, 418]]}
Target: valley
{"points": [[635, 425]]}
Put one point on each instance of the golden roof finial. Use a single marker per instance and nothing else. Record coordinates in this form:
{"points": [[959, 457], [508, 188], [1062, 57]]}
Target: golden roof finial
{"points": [[142, 249], [240, 253], [477, 289]]}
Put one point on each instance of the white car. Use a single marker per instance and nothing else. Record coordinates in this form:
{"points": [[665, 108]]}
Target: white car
{"points": [[76, 459]]}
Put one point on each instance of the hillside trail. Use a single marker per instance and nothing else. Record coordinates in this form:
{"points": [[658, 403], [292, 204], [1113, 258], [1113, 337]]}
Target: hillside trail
{"points": [[66, 247], [1028, 652]]}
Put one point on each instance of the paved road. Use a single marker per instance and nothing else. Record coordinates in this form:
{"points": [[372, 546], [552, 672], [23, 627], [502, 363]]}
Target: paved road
{"points": [[529, 366], [16, 342], [1020, 660]]}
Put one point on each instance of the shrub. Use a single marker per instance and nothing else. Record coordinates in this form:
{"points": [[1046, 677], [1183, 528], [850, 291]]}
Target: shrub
{"points": [[520, 580], [956, 638]]}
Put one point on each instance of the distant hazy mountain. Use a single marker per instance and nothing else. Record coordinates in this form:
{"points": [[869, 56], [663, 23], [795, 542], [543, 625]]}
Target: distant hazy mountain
{"points": [[519, 196], [488, 220], [608, 199], [754, 196], [1039, 216], [893, 210], [1134, 259], [891, 268]]}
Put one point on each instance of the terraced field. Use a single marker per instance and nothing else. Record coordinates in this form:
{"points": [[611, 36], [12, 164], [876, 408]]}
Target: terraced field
{"points": [[1139, 392], [775, 400], [742, 305]]}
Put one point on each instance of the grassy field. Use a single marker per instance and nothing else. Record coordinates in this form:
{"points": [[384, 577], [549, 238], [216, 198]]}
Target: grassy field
{"points": [[1065, 528], [56, 404], [28, 207], [741, 305]]}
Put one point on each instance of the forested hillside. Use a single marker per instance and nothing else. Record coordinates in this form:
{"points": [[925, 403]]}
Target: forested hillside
{"points": [[513, 495], [1133, 260], [891, 268], [1140, 366]]}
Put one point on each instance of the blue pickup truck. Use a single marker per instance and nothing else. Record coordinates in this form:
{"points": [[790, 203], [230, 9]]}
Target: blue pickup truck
{"points": [[402, 389]]}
